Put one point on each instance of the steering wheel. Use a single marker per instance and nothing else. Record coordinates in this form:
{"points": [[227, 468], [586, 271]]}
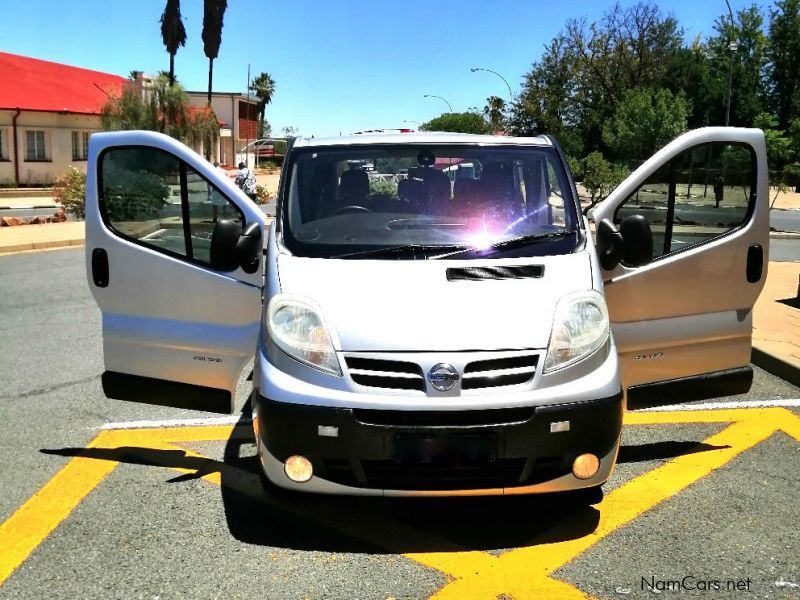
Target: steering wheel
{"points": [[351, 208]]}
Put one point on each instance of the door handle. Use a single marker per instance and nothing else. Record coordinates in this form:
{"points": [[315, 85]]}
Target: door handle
{"points": [[100, 267], [755, 263]]}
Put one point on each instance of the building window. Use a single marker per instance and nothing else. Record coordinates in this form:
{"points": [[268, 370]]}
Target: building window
{"points": [[248, 121], [35, 148], [80, 145], [3, 149]]}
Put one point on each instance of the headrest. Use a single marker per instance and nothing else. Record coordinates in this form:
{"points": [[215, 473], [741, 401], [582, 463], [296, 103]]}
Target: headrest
{"points": [[355, 183]]}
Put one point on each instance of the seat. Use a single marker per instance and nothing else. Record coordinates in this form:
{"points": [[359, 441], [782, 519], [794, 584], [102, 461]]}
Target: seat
{"points": [[466, 191], [353, 188]]}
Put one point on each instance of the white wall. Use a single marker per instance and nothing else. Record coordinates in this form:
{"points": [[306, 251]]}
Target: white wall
{"points": [[58, 130]]}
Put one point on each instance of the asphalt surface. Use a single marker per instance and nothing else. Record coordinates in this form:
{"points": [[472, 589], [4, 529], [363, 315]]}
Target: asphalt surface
{"points": [[785, 220], [784, 250], [148, 532]]}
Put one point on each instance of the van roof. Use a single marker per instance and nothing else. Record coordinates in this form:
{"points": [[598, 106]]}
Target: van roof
{"points": [[423, 137]]}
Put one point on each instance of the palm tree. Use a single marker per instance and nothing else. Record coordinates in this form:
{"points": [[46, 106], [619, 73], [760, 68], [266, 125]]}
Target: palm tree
{"points": [[173, 33], [494, 111], [213, 12], [263, 86]]}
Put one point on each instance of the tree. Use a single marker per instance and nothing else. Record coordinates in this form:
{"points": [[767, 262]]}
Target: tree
{"points": [[749, 63], [263, 86], [575, 87], [494, 111], [164, 108], [213, 13], [644, 121], [600, 177], [783, 54], [466, 122], [173, 33]]}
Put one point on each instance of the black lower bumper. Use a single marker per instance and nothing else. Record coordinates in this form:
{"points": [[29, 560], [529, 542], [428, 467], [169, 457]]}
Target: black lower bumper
{"points": [[439, 450]]}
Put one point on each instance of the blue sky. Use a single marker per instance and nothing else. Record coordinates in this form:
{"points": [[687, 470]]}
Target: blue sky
{"points": [[340, 66]]}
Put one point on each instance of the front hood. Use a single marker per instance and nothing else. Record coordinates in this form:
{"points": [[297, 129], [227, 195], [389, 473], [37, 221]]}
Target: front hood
{"points": [[408, 305]]}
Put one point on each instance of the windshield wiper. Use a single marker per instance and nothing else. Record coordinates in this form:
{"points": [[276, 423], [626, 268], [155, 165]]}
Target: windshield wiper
{"points": [[402, 251], [515, 242]]}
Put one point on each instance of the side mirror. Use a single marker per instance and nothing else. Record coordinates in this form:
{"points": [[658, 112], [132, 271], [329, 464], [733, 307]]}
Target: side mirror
{"points": [[224, 239], [638, 241], [249, 248], [232, 247], [609, 245]]}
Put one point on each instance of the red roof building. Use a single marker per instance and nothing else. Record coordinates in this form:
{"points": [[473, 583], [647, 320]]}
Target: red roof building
{"points": [[41, 85], [47, 112]]}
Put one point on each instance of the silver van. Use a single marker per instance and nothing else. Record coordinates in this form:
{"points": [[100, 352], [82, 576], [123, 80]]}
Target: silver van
{"points": [[428, 335]]}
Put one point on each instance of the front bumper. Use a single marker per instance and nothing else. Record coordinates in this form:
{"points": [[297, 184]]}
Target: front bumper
{"points": [[430, 453]]}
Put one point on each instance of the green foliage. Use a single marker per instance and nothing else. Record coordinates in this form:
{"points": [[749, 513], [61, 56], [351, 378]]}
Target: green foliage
{"points": [[166, 109], [783, 53], [70, 190], [576, 166], [494, 111], [213, 21], [262, 194], [379, 188], [604, 85], [173, 33], [263, 86], [466, 122], [132, 195], [644, 121], [600, 177]]}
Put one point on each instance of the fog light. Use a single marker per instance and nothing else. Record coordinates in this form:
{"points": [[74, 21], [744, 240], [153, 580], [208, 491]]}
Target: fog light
{"points": [[298, 469], [586, 466]]}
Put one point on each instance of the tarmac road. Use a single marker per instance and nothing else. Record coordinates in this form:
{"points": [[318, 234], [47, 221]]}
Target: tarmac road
{"points": [[150, 530]]}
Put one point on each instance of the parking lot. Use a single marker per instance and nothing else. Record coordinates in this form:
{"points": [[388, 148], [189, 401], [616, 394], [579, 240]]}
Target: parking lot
{"points": [[104, 498]]}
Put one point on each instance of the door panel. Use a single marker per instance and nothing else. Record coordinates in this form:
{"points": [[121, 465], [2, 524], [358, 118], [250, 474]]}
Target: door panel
{"points": [[689, 311], [166, 314]]}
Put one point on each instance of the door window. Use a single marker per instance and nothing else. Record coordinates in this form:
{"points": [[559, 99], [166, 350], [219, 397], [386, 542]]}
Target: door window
{"points": [[154, 199], [701, 194]]}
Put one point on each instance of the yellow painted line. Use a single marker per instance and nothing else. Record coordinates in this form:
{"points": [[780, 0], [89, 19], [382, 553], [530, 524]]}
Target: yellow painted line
{"points": [[521, 573], [526, 572], [24, 530]]}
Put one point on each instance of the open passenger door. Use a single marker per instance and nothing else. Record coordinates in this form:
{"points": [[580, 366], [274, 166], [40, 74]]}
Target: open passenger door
{"points": [[681, 302], [174, 261]]}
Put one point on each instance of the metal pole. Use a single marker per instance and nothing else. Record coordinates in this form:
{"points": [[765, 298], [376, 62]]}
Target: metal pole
{"points": [[732, 46], [247, 146], [510, 93], [440, 98]]}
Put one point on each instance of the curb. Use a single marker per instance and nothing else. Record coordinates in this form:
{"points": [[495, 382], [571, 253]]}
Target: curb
{"points": [[49, 245], [785, 235], [31, 206], [776, 366]]}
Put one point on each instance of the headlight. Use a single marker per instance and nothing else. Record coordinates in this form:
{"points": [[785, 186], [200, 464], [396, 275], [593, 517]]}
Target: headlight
{"points": [[297, 328], [580, 327]]}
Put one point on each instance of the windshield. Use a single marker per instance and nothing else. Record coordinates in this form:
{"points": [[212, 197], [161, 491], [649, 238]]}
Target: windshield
{"points": [[428, 201]]}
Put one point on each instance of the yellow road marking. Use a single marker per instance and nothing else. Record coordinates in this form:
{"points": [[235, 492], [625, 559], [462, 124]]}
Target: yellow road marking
{"points": [[41, 514], [520, 573]]}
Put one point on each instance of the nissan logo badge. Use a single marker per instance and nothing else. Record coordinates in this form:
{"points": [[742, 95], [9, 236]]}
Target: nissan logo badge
{"points": [[443, 377]]}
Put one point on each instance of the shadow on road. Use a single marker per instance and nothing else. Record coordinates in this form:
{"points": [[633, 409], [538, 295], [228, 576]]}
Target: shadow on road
{"points": [[259, 513]]}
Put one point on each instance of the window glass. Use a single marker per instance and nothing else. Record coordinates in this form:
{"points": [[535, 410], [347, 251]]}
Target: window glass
{"points": [[700, 194], [347, 199], [34, 145], [146, 193], [207, 205], [80, 145]]}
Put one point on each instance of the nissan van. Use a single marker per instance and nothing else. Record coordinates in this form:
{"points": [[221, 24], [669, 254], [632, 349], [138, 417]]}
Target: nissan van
{"points": [[428, 313]]}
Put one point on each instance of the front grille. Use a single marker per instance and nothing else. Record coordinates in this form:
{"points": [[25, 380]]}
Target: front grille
{"points": [[389, 474], [388, 374], [497, 372]]}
